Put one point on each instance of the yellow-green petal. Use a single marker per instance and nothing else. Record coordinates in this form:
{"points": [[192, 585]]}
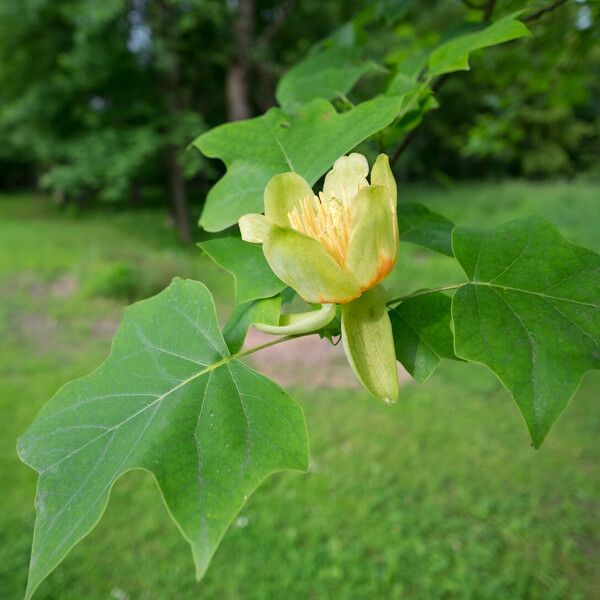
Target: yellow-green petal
{"points": [[297, 323], [369, 344], [347, 177], [253, 228], [282, 194], [372, 247], [303, 264], [381, 174]]}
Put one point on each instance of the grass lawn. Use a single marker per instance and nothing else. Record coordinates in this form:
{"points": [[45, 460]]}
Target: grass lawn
{"points": [[439, 496]]}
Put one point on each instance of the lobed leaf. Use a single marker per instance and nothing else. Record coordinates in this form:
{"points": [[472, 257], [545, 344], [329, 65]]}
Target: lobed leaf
{"points": [[253, 276], [171, 400], [329, 73], [531, 313], [419, 225], [307, 142], [454, 54], [423, 334]]}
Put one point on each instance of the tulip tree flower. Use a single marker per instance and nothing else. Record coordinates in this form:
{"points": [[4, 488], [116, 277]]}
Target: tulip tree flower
{"points": [[333, 249]]}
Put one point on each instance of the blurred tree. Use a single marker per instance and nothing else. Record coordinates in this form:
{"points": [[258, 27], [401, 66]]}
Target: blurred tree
{"points": [[100, 97], [530, 108], [99, 100]]}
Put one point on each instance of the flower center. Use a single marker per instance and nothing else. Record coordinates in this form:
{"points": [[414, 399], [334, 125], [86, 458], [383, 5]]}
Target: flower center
{"points": [[326, 220]]}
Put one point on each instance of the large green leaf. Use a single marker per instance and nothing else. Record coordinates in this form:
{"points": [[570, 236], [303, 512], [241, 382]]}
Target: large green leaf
{"points": [[307, 142], [329, 73], [531, 313], [419, 225], [454, 54], [422, 333], [253, 276], [171, 400]]}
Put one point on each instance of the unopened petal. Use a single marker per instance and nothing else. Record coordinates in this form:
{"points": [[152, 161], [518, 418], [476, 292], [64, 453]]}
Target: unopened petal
{"points": [[372, 247], [347, 177], [303, 264], [369, 344], [283, 193], [253, 228], [381, 174], [298, 323]]}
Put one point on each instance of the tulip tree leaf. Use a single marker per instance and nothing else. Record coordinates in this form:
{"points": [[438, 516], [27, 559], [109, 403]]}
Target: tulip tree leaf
{"points": [[454, 54], [531, 313], [422, 333], [171, 400], [307, 142], [266, 310], [419, 225], [253, 276], [329, 73]]}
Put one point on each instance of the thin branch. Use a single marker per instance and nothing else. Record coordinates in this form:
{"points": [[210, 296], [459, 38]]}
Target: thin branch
{"points": [[540, 13], [473, 5], [271, 29], [408, 138], [444, 288], [488, 10], [439, 82], [285, 338]]}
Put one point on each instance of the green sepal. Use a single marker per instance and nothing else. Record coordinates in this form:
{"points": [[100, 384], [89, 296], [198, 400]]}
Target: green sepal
{"points": [[303, 264], [265, 310], [369, 344], [298, 323]]}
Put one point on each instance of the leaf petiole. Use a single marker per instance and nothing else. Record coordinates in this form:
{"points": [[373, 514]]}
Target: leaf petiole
{"points": [[280, 340], [444, 288]]}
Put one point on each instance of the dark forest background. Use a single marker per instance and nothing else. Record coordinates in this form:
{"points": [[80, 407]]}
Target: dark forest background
{"points": [[100, 100]]}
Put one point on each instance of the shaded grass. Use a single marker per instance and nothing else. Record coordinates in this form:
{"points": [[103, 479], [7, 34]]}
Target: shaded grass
{"points": [[439, 496]]}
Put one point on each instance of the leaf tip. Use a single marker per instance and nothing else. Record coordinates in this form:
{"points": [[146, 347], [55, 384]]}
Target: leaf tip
{"points": [[537, 438]]}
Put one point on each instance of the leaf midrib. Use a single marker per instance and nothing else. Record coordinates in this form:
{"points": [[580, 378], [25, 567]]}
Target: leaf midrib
{"points": [[224, 360], [531, 292]]}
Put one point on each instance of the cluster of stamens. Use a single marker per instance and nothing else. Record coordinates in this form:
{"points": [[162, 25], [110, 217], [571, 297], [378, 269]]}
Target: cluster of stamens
{"points": [[326, 220]]}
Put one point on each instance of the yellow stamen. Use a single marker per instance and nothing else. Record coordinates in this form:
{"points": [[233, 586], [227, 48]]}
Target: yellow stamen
{"points": [[326, 220]]}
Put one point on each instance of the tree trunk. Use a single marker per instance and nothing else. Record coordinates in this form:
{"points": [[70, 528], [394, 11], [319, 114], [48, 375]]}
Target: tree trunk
{"points": [[173, 91], [177, 193], [136, 194], [238, 74]]}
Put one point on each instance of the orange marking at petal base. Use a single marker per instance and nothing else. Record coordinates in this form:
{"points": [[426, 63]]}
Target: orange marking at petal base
{"points": [[384, 266], [324, 300]]}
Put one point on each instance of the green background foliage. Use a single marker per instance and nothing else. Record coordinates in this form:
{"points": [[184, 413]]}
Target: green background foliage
{"points": [[96, 96]]}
